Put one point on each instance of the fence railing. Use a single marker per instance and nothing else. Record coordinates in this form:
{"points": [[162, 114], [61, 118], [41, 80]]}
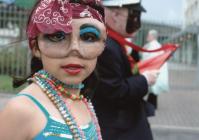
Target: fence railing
{"points": [[14, 60]]}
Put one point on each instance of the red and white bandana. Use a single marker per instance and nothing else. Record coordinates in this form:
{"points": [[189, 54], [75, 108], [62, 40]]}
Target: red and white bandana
{"points": [[51, 16]]}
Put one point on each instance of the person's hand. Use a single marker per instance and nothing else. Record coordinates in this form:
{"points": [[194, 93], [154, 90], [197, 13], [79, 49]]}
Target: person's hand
{"points": [[151, 76]]}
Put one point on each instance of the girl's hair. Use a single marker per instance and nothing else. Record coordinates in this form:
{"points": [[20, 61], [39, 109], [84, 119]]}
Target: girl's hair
{"points": [[90, 85], [36, 65]]}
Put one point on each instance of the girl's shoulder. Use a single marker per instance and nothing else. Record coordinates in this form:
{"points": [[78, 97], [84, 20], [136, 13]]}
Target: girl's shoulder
{"points": [[16, 115], [18, 107]]}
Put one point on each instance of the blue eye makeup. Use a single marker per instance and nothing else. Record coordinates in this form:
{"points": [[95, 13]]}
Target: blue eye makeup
{"points": [[89, 33], [56, 37]]}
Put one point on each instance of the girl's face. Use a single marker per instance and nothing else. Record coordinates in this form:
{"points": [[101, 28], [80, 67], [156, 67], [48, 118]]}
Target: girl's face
{"points": [[72, 57]]}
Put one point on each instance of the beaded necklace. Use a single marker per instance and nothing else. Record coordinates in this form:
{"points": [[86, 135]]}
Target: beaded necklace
{"points": [[60, 86], [50, 88]]}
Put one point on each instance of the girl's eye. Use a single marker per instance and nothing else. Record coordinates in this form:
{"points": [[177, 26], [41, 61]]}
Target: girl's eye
{"points": [[89, 37], [89, 33], [56, 37]]}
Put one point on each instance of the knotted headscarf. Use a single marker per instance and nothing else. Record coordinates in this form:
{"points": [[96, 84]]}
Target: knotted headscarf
{"points": [[50, 16]]}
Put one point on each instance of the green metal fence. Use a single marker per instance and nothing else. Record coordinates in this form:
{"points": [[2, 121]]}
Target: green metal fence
{"points": [[14, 54]]}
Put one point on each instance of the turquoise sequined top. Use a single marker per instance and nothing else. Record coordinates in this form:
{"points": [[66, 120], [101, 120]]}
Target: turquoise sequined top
{"points": [[56, 129]]}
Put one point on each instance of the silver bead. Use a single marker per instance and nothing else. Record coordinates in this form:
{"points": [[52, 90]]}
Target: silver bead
{"points": [[61, 109], [63, 112]]}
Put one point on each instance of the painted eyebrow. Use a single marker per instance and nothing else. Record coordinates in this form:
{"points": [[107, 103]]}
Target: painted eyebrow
{"points": [[87, 27]]}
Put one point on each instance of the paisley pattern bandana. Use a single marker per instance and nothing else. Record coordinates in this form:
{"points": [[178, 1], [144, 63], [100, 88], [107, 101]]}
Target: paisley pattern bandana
{"points": [[51, 16]]}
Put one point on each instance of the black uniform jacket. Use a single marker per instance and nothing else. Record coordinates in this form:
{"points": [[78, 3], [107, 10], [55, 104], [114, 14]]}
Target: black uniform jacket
{"points": [[118, 99]]}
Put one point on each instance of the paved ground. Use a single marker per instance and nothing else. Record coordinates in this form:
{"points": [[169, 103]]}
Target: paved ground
{"points": [[179, 107], [177, 117]]}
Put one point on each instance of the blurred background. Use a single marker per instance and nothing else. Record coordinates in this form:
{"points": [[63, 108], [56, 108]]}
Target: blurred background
{"points": [[177, 21]]}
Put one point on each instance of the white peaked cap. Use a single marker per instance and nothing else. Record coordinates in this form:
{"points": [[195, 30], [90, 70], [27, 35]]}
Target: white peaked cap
{"points": [[119, 3]]}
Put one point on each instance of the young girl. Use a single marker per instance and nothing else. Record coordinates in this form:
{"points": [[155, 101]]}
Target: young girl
{"points": [[65, 37]]}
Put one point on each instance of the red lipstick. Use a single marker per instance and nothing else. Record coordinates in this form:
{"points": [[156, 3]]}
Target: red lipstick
{"points": [[72, 69]]}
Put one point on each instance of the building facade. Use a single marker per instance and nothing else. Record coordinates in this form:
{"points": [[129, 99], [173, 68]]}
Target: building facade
{"points": [[191, 10]]}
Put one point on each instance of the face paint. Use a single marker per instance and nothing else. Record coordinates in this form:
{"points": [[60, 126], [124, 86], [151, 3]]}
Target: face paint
{"points": [[87, 39], [89, 33], [133, 21]]}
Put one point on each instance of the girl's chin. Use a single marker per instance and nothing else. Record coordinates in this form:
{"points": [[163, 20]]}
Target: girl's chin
{"points": [[73, 79]]}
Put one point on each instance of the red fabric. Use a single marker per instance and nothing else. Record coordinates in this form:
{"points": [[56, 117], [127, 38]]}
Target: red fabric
{"points": [[157, 61], [51, 16], [149, 64]]}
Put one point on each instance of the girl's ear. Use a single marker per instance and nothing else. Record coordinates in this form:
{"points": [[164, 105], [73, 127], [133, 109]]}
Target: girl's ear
{"points": [[35, 49]]}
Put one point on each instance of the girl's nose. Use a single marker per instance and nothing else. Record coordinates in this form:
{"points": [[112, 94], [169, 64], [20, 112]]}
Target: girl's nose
{"points": [[74, 45], [74, 48]]}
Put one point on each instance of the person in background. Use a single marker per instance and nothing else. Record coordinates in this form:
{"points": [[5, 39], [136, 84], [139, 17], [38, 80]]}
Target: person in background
{"points": [[118, 98], [161, 85], [66, 38]]}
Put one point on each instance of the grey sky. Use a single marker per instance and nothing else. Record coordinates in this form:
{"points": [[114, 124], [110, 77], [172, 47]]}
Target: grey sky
{"points": [[163, 10]]}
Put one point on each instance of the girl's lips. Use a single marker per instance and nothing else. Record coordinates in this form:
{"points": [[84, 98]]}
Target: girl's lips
{"points": [[72, 69]]}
